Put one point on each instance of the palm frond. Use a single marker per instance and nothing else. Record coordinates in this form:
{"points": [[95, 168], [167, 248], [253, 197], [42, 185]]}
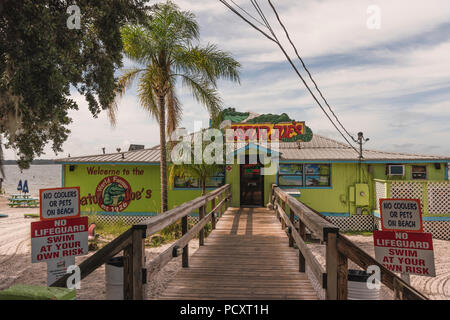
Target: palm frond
{"points": [[203, 93], [137, 43], [146, 93], [124, 83], [209, 62]]}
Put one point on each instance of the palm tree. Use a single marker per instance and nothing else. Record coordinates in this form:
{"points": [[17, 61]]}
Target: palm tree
{"points": [[199, 171], [165, 50]]}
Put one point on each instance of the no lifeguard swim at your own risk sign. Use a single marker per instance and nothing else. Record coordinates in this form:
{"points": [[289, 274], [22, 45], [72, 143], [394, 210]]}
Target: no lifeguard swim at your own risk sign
{"points": [[59, 238], [405, 252]]}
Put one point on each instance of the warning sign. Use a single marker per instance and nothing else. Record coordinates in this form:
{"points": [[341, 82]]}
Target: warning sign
{"points": [[60, 238], [59, 202], [405, 252], [401, 215], [57, 269]]}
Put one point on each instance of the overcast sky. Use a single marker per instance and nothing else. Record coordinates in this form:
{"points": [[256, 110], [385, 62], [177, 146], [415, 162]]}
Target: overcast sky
{"points": [[392, 83]]}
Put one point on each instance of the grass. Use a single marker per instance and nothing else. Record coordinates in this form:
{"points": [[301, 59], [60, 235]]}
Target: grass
{"points": [[169, 234], [172, 233], [358, 233], [107, 229]]}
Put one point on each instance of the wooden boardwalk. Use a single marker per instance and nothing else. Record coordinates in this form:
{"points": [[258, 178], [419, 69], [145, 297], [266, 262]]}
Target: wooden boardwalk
{"points": [[246, 257]]}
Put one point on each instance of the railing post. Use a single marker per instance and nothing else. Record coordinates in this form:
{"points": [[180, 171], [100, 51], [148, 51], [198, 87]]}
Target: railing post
{"points": [[283, 206], [332, 257], [134, 261], [184, 230], [342, 275], [221, 206], [213, 214], [201, 234], [292, 219], [301, 258]]}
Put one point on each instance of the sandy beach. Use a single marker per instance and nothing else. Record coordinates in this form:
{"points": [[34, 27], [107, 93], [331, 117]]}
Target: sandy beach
{"points": [[16, 266]]}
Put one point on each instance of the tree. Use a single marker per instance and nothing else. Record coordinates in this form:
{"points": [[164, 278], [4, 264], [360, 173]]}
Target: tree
{"points": [[166, 50], [200, 171], [41, 60]]}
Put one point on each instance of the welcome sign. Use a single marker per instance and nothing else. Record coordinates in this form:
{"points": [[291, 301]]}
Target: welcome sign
{"points": [[288, 131]]}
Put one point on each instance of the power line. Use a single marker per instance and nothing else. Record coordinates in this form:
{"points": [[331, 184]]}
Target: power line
{"points": [[306, 69], [248, 14], [275, 40]]}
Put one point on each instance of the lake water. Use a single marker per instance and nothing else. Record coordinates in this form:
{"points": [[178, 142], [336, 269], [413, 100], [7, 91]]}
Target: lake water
{"points": [[38, 177]]}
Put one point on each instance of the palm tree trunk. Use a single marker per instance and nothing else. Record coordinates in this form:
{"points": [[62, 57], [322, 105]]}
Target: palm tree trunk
{"points": [[163, 158], [203, 181]]}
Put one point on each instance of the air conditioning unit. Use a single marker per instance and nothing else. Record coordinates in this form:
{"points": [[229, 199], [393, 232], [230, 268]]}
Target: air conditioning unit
{"points": [[396, 170]]}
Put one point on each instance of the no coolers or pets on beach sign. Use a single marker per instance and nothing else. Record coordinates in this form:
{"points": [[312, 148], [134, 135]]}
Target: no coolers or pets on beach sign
{"points": [[59, 238], [59, 203], [401, 215]]}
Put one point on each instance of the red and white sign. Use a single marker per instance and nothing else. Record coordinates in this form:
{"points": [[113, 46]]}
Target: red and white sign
{"points": [[405, 252], [401, 215], [58, 203], [59, 238]]}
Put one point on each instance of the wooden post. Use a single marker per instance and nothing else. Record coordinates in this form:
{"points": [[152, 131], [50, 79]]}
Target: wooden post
{"points": [[134, 261], [184, 229], [201, 234], [222, 206], [127, 272], [292, 219], [283, 206], [342, 275], [301, 258], [332, 257], [213, 214]]}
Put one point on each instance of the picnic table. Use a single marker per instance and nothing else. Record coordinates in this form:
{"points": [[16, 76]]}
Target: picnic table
{"points": [[23, 200]]}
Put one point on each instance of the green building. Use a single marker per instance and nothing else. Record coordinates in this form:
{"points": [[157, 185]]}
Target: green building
{"points": [[325, 174]]}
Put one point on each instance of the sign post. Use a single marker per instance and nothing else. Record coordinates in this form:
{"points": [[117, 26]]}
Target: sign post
{"points": [[61, 234], [402, 246]]}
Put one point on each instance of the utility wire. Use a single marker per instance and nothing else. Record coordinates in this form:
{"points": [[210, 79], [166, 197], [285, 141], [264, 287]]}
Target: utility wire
{"points": [[275, 40], [248, 14], [306, 69]]}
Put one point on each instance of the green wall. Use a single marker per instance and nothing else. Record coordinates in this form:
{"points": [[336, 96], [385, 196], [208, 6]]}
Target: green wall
{"points": [[141, 179], [379, 172]]}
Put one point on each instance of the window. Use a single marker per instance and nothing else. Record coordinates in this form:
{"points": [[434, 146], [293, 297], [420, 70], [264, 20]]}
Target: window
{"points": [[194, 183], [304, 175], [419, 172], [291, 175], [186, 182], [396, 170], [216, 181]]}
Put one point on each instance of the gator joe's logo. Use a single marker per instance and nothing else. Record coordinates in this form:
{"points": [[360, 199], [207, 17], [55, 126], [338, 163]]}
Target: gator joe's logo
{"points": [[113, 193], [287, 131]]}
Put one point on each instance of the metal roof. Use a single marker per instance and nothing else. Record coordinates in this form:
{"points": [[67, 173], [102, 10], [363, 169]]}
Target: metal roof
{"points": [[319, 148]]}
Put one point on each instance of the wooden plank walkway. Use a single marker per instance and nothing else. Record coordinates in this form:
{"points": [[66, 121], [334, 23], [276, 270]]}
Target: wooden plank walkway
{"points": [[246, 257]]}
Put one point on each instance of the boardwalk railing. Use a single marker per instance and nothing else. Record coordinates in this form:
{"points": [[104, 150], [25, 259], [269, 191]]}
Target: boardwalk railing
{"points": [[131, 242], [339, 249]]}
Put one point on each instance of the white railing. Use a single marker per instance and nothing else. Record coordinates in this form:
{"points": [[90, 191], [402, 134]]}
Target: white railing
{"points": [[434, 196]]}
